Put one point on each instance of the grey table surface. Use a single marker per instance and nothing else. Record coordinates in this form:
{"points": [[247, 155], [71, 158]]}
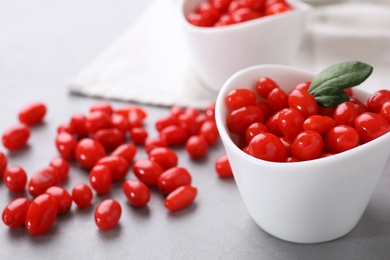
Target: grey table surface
{"points": [[45, 43]]}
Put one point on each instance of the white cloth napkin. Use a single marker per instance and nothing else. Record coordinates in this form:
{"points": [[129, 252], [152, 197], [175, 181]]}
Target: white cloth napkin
{"points": [[150, 63]]}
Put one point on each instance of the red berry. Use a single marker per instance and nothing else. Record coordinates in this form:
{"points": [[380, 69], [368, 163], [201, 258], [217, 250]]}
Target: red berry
{"points": [[117, 166], [100, 179], [147, 171], [172, 179], [222, 167], [107, 214], [15, 178], [63, 198], [180, 198], [197, 147], [267, 146], [14, 214], [82, 195], [16, 137], [136, 192], [307, 145], [33, 113], [41, 214], [43, 179], [165, 157], [88, 152]]}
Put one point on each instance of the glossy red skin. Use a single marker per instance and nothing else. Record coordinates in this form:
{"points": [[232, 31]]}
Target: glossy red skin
{"points": [[359, 105], [15, 178], [277, 8], [62, 167], [385, 112], [136, 192], [180, 198], [209, 11], [377, 99], [345, 114], [222, 167], [66, 145], [117, 165], [277, 99], [126, 109], [147, 171], [43, 179], [287, 145], [97, 120], [120, 122], [110, 138], [255, 129], [209, 110], [82, 195], [222, 5], [318, 123], [138, 135], [198, 20], [41, 214], [237, 98], [88, 152], [32, 114], [66, 127], [14, 214], [265, 108], [224, 20], [101, 106], [126, 151], [304, 102], [165, 157], [209, 131], [175, 111], [79, 123], [264, 86], [244, 14], [100, 178], [303, 86], [174, 135], [16, 137], [63, 198], [307, 145], [290, 122], [197, 147], [239, 119], [136, 118], [172, 179], [165, 121], [3, 164], [267, 146], [154, 142], [188, 122], [273, 125], [371, 126], [341, 138], [107, 214]]}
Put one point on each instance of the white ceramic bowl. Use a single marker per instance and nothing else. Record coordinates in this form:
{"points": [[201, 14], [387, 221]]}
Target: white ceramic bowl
{"points": [[305, 202], [218, 52]]}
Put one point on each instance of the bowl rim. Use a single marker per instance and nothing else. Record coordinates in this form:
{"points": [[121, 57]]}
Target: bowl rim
{"points": [[227, 141], [299, 7]]}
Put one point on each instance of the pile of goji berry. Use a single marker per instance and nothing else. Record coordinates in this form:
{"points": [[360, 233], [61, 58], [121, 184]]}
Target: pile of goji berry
{"points": [[104, 142], [289, 127], [214, 13]]}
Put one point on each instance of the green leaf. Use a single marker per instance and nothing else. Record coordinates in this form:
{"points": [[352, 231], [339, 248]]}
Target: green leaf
{"points": [[338, 77], [331, 97]]}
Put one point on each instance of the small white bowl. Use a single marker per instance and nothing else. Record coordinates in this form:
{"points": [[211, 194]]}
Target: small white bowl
{"points": [[304, 202], [218, 52]]}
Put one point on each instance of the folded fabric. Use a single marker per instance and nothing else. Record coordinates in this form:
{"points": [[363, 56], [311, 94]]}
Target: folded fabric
{"points": [[151, 64]]}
